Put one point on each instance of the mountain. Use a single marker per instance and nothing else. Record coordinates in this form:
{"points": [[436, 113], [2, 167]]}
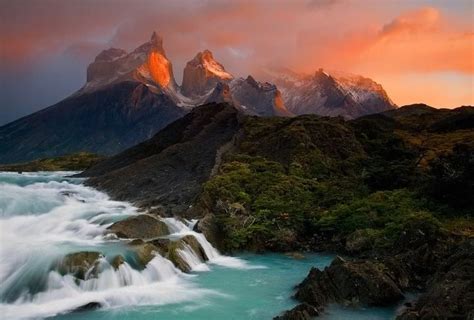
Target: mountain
{"points": [[202, 73], [127, 98], [205, 77], [330, 94]]}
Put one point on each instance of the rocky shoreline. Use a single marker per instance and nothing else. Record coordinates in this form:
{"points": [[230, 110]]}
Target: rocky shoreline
{"points": [[443, 272]]}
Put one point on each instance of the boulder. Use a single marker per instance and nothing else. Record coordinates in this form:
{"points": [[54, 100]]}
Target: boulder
{"points": [[142, 226], [81, 265], [145, 251], [350, 282]]}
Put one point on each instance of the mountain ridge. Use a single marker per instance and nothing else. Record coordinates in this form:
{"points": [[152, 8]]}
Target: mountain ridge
{"points": [[128, 97]]}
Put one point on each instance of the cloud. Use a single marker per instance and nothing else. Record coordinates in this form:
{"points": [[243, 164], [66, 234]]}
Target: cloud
{"points": [[381, 39]]}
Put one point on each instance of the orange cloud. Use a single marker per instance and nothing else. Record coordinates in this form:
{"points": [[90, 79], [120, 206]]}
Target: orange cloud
{"points": [[417, 41], [385, 40]]}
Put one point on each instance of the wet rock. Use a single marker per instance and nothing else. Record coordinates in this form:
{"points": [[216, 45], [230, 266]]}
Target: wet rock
{"points": [[302, 311], [145, 251], [350, 282], [82, 264], [117, 261], [142, 226], [174, 256], [87, 307], [209, 228]]}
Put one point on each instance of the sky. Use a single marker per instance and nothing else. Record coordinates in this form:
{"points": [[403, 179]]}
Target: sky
{"points": [[420, 51]]}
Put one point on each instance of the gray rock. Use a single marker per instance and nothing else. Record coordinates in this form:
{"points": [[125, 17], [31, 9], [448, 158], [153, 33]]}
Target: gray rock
{"points": [[142, 226]]}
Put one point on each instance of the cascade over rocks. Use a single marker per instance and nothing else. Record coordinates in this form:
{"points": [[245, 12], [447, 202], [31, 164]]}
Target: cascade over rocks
{"points": [[80, 264], [170, 250]]}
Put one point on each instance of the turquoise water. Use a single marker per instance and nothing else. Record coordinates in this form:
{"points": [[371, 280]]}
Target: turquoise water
{"points": [[244, 294], [44, 216]]}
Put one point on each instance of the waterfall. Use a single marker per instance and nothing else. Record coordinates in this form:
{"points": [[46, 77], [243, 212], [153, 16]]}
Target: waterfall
{"points": [[45, 216], [181, 229]]}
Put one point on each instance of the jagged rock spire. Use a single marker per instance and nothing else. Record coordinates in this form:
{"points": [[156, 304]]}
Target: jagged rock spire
{"points": [[156, 40]]}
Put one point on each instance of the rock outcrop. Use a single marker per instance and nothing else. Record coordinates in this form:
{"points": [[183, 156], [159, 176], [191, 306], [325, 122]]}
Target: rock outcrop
{"points": [[350, 282], [450, 292]]}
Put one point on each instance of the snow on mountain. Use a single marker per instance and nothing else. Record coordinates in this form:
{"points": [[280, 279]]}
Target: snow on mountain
{"points": [[330, 93]]}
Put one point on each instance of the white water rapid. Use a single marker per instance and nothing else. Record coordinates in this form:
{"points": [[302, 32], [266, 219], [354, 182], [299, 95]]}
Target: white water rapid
{"points": [[45, 216]]}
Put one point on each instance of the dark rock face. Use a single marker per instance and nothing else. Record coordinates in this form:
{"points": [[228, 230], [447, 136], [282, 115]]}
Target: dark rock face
{"points": [[88, 307], [262, 99], [168, 170], [142, 226], [353, 282], [450, 293], [104, 122], [302, 311]]}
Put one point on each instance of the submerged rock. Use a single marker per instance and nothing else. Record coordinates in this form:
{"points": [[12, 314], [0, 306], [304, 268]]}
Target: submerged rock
{"points": [[142, 226], [350, 282], [80, 264], [87, 307]]}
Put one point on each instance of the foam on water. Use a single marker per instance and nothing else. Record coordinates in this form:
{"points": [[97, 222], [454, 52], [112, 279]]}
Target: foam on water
{"points": [[45, 216]]}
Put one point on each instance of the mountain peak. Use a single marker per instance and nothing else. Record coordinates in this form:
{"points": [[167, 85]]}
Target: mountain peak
{"points": [[147, 64], [202, 73], [156, 39]]}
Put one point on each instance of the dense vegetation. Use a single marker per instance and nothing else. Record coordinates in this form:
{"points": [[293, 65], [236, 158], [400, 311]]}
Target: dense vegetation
{"points": [[289, 180], [71, 162]]}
